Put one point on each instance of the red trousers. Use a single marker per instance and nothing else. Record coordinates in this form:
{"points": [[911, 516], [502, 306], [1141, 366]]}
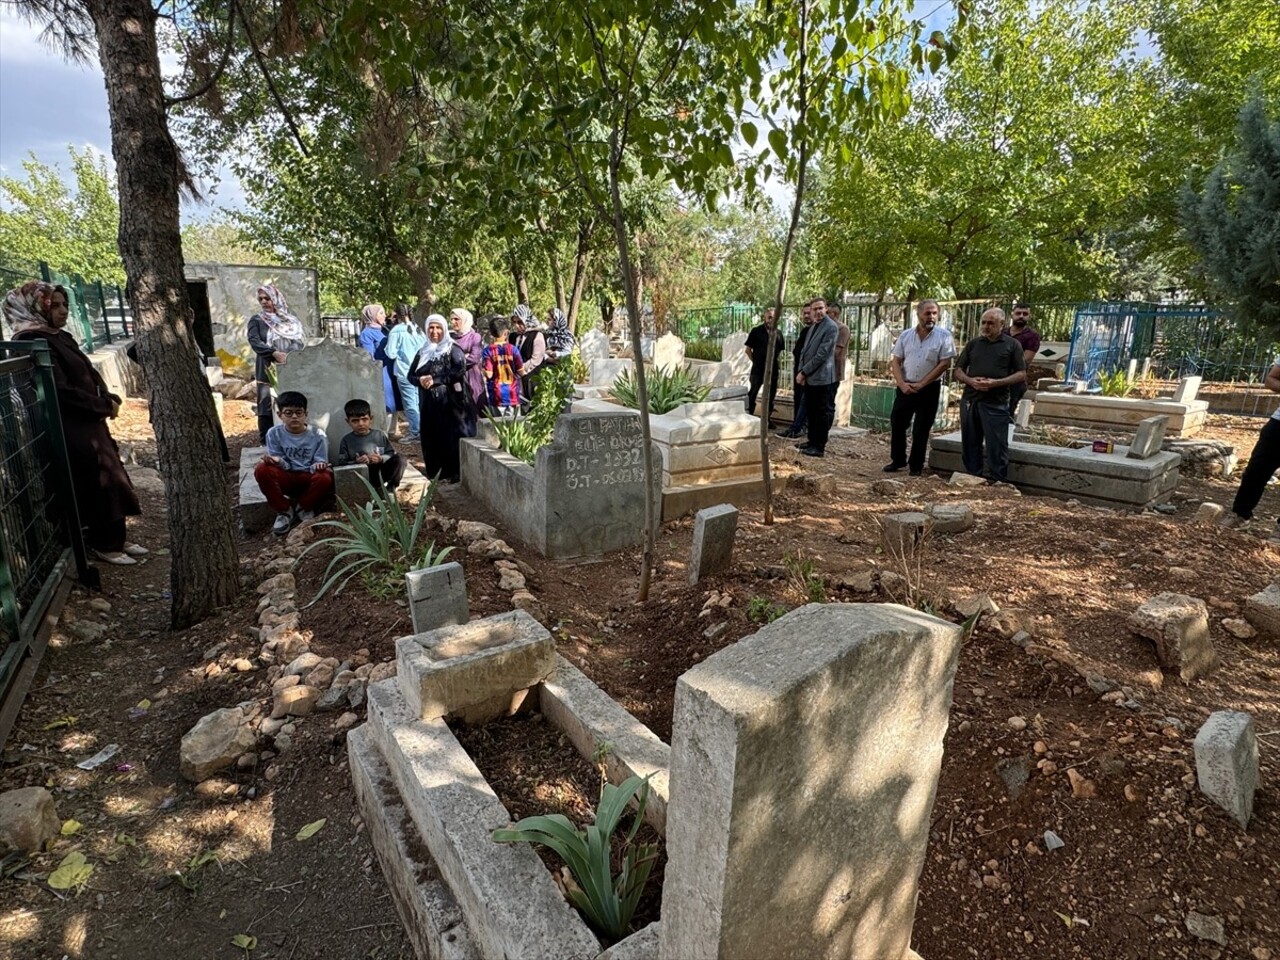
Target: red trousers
{"points": [[282, 487]]}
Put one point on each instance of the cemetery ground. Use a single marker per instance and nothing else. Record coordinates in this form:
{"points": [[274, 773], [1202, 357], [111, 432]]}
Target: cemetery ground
{"points": [[1070, 728]]}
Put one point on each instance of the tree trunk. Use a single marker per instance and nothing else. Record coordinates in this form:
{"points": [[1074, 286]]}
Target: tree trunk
{"points": [[642, 390], [766, 475], [423, 282], [552, 249], [204, 568], [518, 275], [581, 258]]}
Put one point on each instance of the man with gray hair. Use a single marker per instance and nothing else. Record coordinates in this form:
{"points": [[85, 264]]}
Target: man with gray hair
{"points": [[988, 366]]}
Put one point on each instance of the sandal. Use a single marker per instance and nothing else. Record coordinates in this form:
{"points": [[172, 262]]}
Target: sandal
{"points": [[116, 557]]}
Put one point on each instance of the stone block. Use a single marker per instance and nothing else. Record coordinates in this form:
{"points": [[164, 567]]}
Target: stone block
{"points": [[28, 820], [1227, 762], [215, 742], [329, 373], [900, 532], [1022, 416], [508, 900], [254, 512], [437, 596], [713, 532], [888, 488], [668, 352], [805, 761], [949, 518], [347, 485], [1187, 389], [1115, 414], [475, 670], [1148, 438], [593, 345], [641, 945], [1179, 627], [1208, 513], [1263, 611], [596, 724]]}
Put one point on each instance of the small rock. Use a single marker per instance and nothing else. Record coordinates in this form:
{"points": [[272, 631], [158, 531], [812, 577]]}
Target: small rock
{"points": [[100, 605], [300, 536], [335, 698], [715, 631], [1208, 513], [1204, 927], [270, 728], [491, 549], [1131, 793], [888, 488], [281, 581], [383, 671], [1240, 629], [1166, 508], [1098, 683], [285, 682], [1017, 723], [524, 600], [1006, 623], [860, 581], [965, 480], [88, 630], [356, 693], [510, 580], [1041, 747], [295, 702], [363, 671], [471, 531], [320, 676], [28, 819], [348, 719], [215, 742], [280, 565], [304, 663], [1021, 638], [977, 603], [241, 665], [1052, 841], [1080, 786], [247, 761]]}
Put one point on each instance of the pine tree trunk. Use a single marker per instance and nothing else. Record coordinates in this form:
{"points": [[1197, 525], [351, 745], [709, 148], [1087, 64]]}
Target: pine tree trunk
{"points": [[204, 568]]}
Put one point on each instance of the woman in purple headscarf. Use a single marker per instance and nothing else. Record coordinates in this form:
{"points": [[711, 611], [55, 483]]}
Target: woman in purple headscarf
{"points": [[465, 337]]}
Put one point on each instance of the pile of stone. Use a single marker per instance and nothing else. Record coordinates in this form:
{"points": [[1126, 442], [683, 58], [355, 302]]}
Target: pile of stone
{"points": [[481, 540]]}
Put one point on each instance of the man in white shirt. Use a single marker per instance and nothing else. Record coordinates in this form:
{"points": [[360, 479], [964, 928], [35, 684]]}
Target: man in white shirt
{"points": [[1263, 462], [920, 357]]}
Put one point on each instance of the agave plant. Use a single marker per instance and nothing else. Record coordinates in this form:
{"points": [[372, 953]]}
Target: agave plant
{"points": [[607, 901], [1116, 384], [667, 389], [519, 438], [377, 536]]}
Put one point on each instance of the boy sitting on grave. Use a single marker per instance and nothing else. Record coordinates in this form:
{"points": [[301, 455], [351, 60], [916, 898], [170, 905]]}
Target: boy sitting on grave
{"points": [[294, 473], [366, 445], [502, 370]]}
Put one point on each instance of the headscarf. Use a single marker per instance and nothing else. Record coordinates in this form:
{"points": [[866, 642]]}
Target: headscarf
{"points": [[559, 340], [525, 316], [27, 307], [281, 325], [372, 313], [468, 321], [430, 351]]}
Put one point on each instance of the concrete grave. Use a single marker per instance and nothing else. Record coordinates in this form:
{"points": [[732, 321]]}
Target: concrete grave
{"points": [[1109, 480], [668, 352], [1227, 762], [710, 373], [805, 761], [329, 373], [713, 532], [437, 597], [1186, 418], [1263, 611], [733, 352], [1022, 417], [1186, 390], [583, 497], [476, 671], [603, 372], [1148, 438], [1179, 627], [593, 345]]}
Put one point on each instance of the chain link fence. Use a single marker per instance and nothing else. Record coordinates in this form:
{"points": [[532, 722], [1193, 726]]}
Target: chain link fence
{"points": [[99, 312]]}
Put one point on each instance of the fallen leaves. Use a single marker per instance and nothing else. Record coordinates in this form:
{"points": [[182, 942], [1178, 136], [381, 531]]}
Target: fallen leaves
{"points": [[73, 872], [311, 829]]}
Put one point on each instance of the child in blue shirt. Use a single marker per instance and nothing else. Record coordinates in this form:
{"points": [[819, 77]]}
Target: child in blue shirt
{"points": [[294, 474]]}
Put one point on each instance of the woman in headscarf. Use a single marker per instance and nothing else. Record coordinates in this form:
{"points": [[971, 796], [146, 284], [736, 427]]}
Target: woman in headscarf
{"points": [[403, 343], [373, 340], [469, 341], [560, 342], [104, 494], [446, 406], [528, 338], [274, 333]]}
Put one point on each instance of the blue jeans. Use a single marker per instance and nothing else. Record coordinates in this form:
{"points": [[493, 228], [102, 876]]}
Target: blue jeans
{"points": [[409, 400]]}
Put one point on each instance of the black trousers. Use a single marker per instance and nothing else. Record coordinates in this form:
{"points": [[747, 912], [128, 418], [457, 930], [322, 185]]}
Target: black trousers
{"points": [[1016, 393], [1263, 462], [388, 473], [756, 382], [920, 407], [821, 402], [984, 438]]}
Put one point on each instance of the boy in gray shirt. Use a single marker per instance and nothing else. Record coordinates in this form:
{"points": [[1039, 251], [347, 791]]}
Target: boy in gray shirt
{"points": [[366, 445]]}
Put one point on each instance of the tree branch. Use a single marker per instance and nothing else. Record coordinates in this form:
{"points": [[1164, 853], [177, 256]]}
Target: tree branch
{"points": [[222, 64], [261, 60]]}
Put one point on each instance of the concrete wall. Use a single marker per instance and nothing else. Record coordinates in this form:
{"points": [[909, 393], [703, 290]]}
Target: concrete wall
{"points": [[233, 300]]}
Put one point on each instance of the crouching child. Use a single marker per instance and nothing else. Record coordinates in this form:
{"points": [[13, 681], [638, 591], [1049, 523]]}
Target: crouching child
{"points": [[294, 474], [366, 445]]}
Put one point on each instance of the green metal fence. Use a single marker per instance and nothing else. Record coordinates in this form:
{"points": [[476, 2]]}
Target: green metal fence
{"points": [[40, 540], [99, 312]]}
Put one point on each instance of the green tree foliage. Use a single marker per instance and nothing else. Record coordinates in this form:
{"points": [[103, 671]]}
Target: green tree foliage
{"points": [[1013, 170], [73, 229], [1234, 222], [218, 240]]}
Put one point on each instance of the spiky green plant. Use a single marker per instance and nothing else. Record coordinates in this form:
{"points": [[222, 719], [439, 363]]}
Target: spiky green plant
{"points": [[702, 350], [607, 901], [1116, 384], [377, 538], [667, 389]]}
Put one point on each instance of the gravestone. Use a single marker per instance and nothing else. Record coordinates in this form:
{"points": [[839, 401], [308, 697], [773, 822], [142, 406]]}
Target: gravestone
{"points": [[1022, 417], [668, 353], [329, 373], [1187, 389], [804, 763], [593, 345], [1227, 762], [437, 597], [733, 352], [1148, 438], [713, 531]]}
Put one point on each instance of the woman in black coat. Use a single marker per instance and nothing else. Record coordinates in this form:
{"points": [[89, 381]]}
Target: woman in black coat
{"points": [[274, 333], [445, 404]]}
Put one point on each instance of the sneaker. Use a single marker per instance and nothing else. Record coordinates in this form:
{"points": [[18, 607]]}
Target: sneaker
{"points": [[117, 557], [812, 452], [786, 434], [136, 550], [1230, 520], [304, 515], [892, 467], [410, 438], [283, 522]]}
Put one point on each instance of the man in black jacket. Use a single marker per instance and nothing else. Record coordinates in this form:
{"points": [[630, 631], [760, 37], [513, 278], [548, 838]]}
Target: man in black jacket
{"points": [[988, 366]]}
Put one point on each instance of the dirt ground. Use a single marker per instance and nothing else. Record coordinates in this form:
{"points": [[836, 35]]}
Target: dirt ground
{"points": [[179, 870]]}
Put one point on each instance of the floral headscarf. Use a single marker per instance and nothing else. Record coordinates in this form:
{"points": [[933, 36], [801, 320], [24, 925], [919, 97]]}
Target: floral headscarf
{"points": [[559, 340], [281, 325], [27, 307], [431, 350]]}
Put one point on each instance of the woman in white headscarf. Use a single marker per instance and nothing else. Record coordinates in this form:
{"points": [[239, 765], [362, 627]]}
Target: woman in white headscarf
{"points": [[471, 343], [446, 406], [274, 333]]}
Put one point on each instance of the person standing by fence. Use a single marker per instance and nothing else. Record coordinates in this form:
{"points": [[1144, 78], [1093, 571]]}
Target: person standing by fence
{"points": [[1029, 339], [757, 349], [274, 333], [921, 356], [104, 493], [816, 376], [1263, 463], [988, 366]]}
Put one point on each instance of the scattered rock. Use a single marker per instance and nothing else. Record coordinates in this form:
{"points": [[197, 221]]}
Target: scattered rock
{"points": [[1007, 623], [1081, 786], [215, 742], [279, 565], [300, 536], [715, 631], [1240, 629], [1226, 750], [894, 584], [471, 531], [1098, 683], [303, 663], [335, 698], [1204, 927], [524, 600], [491, 549], [1014, 771], [270, 727], [1052, 841], [100, 605], [281, 581], [888, 488], [949, 518], [294, 701], [321, 675], [1208, 513], [382, 671], [510, 580], [859, 581], [1263, 611], [1179, 627], [28, 819], [88, 630], [348, 719], [1017, 723], [285, 682], [965, 480], [977, 603], [241, 665]]}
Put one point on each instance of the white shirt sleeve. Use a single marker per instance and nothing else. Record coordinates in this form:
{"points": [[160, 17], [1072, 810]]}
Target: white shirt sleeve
{"points": [[899, 350], [948, 350]]}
